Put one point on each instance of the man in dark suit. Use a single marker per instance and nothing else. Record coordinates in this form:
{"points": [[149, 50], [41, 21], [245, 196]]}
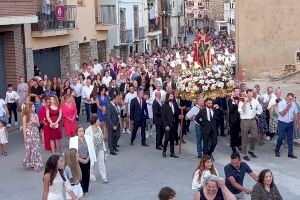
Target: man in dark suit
{"points": [[113, 87], [222, 102], [138, 116], [157, 120], [113, 124], [169, 114], [208, 120]]}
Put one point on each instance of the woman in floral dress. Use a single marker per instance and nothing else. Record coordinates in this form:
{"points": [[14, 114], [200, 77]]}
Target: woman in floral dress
{"points": [[31, 133]]}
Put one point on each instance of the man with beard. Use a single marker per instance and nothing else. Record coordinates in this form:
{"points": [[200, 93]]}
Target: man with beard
{"points": [[207, 119]]}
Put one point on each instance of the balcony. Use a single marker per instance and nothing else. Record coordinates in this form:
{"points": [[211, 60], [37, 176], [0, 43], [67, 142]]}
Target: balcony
{"points": [[154, 24], [126, 36], [56, 23], [142, 33], [105, 17]]}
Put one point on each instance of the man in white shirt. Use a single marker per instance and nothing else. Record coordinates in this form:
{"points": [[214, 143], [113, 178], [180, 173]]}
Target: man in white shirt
{"points": [[190, 116], [287, 112], [248, 110], [86, 96], [77, 87], [269, 95], [128, 97], [11, 100], [97, 68]]}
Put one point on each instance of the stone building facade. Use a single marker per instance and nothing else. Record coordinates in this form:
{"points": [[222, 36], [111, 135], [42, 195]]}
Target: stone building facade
{"points": [[267, 36]]}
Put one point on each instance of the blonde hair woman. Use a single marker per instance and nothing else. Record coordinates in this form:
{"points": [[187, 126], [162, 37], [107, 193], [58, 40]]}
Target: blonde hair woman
{"points": [[72, 172]]}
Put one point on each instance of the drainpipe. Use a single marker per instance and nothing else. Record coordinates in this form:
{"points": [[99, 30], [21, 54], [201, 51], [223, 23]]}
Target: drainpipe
{"points": [[24, 52]]}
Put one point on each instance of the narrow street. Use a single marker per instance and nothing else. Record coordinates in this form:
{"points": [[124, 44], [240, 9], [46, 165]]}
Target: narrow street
{"points": [[139, 172]]}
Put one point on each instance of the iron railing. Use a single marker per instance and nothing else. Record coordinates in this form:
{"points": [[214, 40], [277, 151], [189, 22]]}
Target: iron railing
{"points": [[106, 14], [126, 36], [154, 24], [141, 33], [51, 22]]}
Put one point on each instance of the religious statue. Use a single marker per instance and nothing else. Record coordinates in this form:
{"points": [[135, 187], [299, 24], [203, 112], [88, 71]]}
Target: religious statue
{"points": [[202, 44]]}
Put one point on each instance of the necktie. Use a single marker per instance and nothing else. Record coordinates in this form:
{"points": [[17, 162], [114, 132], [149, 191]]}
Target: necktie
{"points": [[141, 104], [210, 114]]}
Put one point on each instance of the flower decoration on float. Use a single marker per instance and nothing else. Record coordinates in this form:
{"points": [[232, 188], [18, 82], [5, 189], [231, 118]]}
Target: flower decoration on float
{"points": [[213, 81]]}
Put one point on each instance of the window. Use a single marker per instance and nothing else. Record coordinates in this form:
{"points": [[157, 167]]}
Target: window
{"points": [[80, 3], [108, 14]]}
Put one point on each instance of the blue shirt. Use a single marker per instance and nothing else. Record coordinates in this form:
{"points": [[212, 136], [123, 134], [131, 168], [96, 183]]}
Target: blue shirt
{"points": [[237, 174], [289, 116]]}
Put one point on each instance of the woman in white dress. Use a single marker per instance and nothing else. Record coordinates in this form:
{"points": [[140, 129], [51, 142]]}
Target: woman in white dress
{"points": [[55, 184]]}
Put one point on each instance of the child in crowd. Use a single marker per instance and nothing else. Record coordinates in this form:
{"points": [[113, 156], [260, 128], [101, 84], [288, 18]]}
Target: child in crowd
{"points": [[167, 193], [149, 122], [11, 100], [3, 137], [3, 110], [37, 104]]}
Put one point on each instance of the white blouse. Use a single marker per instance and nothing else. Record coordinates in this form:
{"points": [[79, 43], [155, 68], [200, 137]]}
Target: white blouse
{"points": [[197, 183]]}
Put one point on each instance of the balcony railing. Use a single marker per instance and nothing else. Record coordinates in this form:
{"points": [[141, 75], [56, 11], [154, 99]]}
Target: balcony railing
{"points": [[52, 21], [154, 24], [106, 14], [126, 36], [142, 33]]}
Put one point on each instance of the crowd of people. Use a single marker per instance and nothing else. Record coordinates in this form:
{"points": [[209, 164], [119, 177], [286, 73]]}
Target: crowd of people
{"points": [[122, 96]]}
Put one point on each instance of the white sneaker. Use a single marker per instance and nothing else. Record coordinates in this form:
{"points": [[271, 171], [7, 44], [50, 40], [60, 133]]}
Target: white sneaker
{"points": [[268, 138], [16, 123], [123, 131], [105, 181], [93, 178], [128, 131], [8, 125]]}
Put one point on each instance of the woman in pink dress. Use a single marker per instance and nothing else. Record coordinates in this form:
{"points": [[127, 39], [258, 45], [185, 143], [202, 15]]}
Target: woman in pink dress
{"points": [[69, 115], [54, 116]]}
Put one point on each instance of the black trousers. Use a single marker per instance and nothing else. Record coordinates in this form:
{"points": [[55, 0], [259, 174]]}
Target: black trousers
{"points": [[113, 138], [12, 107], [210, 141], [159, 135], [78, 104], [235, 139], [169, 137], [85, 181], [136, 126], [221, 125]]}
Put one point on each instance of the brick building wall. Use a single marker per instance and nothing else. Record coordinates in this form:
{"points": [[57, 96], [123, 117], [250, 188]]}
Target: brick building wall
{"points": [[13, 53], [18, 7]]}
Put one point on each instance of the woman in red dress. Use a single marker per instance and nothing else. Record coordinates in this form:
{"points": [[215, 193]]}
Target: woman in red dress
{"points": [[69, 116], [45, 125], [54, 116]]}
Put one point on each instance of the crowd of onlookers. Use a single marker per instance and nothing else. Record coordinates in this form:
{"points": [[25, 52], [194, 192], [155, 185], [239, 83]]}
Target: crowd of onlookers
{"points": [[122, 96]]}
